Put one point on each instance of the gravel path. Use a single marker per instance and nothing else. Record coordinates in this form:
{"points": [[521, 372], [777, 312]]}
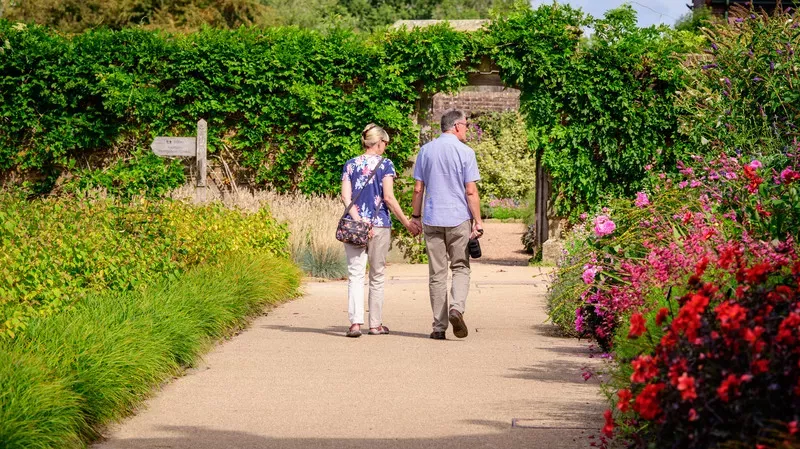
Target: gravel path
{"points": [[501, 243], [292, 380]]}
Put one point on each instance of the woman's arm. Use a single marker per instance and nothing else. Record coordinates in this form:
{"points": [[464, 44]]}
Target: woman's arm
{"points": [[391, 201], [347, 196]]}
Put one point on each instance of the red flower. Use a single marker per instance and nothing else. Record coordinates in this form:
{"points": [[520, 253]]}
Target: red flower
{"points": [[760, 366], [757, 274], [669, 339], [661, 316], [753, 337], [727, 387], [792, 426], [646, 404], [637, 326], [644, 368], [787, 328], [608, 429], [688, 319], [693, 415], [678, 367], [729, 255], [754, 179], [624, 403], [730, 316], [686, 387], [700, 268]]}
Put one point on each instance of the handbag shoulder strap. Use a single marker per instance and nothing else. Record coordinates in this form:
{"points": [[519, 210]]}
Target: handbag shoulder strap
{"points": [[371, 175]]}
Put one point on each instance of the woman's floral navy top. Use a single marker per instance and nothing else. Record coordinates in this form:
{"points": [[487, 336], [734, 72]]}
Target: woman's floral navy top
{"points": [[370, 204]]}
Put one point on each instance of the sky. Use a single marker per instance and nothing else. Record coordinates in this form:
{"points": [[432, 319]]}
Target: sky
{"points": [[650, 12]]}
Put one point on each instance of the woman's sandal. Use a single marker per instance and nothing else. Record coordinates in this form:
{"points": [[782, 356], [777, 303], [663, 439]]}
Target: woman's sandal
{"points": [[380, 330], [354, 333]]}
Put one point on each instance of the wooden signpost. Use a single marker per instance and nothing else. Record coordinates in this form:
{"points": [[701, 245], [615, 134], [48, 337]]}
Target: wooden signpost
{"points": [[186, 147]]}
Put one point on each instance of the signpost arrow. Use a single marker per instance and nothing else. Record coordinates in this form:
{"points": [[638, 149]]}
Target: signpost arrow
{"points": [[174, 146], [196, 147]]}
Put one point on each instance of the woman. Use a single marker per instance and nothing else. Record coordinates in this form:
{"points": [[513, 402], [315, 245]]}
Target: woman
{"points": [[375, 200]]}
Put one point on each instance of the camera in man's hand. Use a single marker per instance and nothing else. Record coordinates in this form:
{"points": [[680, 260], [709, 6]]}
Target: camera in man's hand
{"points": [[474, 248]]}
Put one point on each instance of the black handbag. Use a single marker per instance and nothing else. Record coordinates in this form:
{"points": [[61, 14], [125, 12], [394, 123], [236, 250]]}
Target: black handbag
{"points": [[351, 231]]}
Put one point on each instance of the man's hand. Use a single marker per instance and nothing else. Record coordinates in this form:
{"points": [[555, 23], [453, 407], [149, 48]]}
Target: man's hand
{"points": [[477, 230], [415, 227]]}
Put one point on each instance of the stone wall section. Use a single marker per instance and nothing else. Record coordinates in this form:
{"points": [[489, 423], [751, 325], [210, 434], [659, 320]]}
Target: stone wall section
{"points": [[476, 99]]}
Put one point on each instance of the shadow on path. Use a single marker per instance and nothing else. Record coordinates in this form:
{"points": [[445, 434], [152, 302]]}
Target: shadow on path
{"points": [[190, 437], [338, 331]]}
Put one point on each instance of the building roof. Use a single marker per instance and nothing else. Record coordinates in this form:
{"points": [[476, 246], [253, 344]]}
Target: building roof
{"points": [[725, 4], [458, 25]]}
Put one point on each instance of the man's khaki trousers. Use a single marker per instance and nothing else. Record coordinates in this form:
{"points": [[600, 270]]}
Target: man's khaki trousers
{"points": [[445, 243]]}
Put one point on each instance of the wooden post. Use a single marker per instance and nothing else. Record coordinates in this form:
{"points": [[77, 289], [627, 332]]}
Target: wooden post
{"points": [[542, 197], [202, 145]]}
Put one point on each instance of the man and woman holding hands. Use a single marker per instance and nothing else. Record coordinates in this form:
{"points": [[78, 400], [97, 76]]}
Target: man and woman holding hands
{"points": [[446, 209]]}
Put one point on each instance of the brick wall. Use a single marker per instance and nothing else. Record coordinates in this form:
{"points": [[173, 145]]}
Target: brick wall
{"points": [[475, 99]]}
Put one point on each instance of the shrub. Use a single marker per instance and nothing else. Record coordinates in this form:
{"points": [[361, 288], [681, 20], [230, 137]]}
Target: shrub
{"points": [[90, 365], [55, 251], [725, 367], [505, 159], [740, 94], [503, 209], [599, 110]]}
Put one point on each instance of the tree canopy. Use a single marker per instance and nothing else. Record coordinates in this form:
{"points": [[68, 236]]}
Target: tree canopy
{"points": [[75, 16]]}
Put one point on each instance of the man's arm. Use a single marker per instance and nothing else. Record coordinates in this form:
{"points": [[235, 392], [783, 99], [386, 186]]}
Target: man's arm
{"points": [[474, 204], [416, 205]]}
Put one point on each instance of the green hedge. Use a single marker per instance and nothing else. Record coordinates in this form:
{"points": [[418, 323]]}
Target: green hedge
{"points": [[288, 104], [67, 375]]}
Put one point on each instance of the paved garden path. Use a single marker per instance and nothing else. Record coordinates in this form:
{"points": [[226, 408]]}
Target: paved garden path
{"points": [[292, 380]]}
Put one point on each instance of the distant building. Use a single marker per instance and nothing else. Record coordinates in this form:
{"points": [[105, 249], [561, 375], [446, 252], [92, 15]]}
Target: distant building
{"points": [[722, 7], [484, 92]]}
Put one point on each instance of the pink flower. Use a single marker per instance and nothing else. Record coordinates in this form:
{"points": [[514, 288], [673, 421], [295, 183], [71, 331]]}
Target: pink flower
{"points": [[578, 321], [683, 184], [755, 164], [641, 200], [603, 226], [789, 175], [589, 272]]}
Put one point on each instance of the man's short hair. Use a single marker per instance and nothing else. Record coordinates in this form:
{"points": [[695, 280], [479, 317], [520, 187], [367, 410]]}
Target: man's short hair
{"points": [[450, 118]]}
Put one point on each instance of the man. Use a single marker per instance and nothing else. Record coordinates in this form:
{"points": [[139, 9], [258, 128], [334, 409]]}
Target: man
{"points": [[446, 172]]}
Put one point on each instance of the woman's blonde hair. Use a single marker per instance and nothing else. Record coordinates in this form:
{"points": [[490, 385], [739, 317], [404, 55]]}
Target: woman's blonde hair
{"points": [[373, 134]]}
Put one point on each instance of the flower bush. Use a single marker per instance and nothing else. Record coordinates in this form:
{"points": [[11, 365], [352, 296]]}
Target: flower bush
{"points": [[726, 363]]}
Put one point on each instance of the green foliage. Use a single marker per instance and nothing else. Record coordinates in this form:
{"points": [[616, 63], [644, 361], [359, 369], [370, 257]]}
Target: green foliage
{"points": [[322, 261], [695, 20], [53, 252], [68, 375], [413, 248], [600, 110], [73, 16], [505, 160], [287, 104], [37, 411], [564, 296], [741, 93]]}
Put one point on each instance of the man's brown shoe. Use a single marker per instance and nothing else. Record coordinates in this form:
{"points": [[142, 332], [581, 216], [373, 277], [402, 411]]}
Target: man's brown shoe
{"points": [[438, 335], [457, 321]]}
